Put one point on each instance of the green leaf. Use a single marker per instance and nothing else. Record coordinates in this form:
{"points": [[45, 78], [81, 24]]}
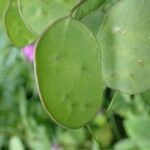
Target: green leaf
{"points": [[146, 96], [16, 28], [94, 20], [125, 105], [137, 127], [120, 104], [87, 7], [39, 14], [124, 38], [144, 144], [69, 73], [126, 144], [15, 143], [37, 138]]}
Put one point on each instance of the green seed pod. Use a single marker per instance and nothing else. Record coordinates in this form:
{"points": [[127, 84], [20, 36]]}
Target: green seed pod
{"points": [[39, 14], [124, 39], [68, 70], [16, 29]]}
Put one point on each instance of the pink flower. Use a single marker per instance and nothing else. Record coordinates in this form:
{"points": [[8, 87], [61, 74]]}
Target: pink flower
{"points": [[28, 52]]}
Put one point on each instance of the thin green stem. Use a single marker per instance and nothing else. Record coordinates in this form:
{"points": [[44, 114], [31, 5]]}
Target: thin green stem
{"points": [[76, 7], [94, 137]]}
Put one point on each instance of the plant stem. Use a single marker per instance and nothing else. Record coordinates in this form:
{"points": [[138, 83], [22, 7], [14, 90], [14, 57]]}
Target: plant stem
{"points": [[76, 7], [92, 133]]}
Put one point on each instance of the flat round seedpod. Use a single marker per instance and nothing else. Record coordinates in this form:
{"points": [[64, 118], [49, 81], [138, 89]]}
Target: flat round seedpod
{"points": [[39, 14], [3, 6], [68, 70], [124, 40], [16, 29]]}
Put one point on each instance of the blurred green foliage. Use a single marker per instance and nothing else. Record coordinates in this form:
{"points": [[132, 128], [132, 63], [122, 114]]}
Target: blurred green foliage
{"points": [[23, 122], [123, 122]]}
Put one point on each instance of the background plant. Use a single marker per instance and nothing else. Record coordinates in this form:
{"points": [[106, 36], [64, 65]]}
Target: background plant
{"points": [[123, 121]]}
